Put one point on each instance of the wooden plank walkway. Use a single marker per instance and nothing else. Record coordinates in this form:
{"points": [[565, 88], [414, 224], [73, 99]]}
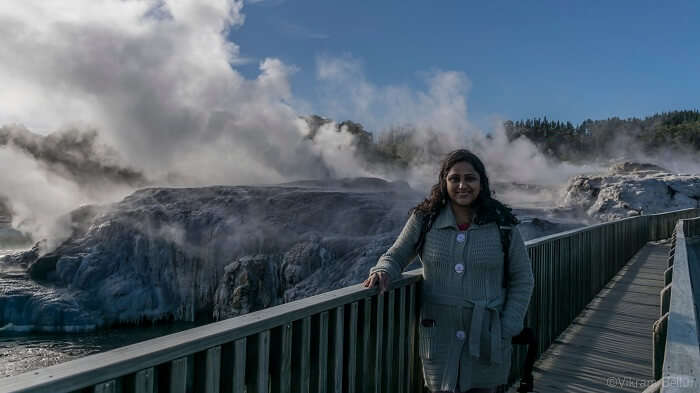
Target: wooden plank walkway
{"points": [[608, 347]]}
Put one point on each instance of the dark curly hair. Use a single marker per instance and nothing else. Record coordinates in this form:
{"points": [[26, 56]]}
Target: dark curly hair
{"points": [[486, 207]]}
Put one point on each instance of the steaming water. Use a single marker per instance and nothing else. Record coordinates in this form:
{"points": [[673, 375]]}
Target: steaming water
{"points": [[23, 352]]}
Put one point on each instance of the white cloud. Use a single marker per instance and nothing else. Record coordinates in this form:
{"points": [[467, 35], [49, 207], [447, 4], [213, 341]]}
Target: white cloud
{"points": [[349, 95]]}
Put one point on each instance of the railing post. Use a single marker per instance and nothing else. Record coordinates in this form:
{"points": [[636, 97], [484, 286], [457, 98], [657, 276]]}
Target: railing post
{"points": [[338, 350], [379, 348], [659, 330], [366, 378], [305, 367], [389, 365], [322, 353], [212, 370], [353, 347], [413, 374], [402, 341], [144, 381], [180, 376], [281, 366]]}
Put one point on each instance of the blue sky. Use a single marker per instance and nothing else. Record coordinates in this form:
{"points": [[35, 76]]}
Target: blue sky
{"points": [[563, 60]]}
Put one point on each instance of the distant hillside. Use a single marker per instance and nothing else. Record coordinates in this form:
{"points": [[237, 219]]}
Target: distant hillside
{"points": [[395, 149], [591, 141], [604, 139]]}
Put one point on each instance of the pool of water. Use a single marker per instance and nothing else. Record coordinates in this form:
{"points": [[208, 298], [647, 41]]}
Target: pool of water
{"points": [[20, 353], [23, 352]]}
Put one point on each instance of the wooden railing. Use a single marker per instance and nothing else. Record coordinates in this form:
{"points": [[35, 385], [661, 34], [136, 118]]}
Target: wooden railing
{"points": [[676, 346], [348, 340], [571, 267], [662, 226]]}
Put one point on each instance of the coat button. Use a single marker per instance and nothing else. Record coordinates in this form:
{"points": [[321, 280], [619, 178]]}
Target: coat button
{"points": [[459, 268], [461, 335], [460, 237]]}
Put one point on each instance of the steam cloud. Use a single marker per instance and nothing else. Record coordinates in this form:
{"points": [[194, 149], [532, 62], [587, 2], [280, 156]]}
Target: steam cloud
{"points": [[73, 155], [157, 80]]}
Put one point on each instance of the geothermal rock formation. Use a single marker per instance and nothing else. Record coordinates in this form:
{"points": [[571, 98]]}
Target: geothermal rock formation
{"points": [[208, 253], [631, 189], [198, 253]]}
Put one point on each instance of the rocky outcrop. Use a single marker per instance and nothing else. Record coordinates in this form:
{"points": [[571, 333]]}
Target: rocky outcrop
{"points": [[248, 284], [196, 254], [631, 189], [27, 305]]}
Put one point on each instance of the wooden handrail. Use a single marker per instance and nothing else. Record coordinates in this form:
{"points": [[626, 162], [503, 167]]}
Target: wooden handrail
{"points": [[681, 363]]}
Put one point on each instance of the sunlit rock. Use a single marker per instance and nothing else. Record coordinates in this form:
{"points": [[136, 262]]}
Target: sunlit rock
{"points": [[248, 284], [631, 189]]}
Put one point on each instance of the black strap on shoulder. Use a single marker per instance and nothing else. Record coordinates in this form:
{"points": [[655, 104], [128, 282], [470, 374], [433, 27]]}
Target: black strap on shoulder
{"points": [[505, 242]]}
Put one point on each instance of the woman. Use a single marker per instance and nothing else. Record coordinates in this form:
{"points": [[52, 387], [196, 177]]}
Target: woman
{"points": [[467, 317]]}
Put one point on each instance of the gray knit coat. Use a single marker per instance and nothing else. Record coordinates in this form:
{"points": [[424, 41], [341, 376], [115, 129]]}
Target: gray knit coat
{"points": [[469, 343]]}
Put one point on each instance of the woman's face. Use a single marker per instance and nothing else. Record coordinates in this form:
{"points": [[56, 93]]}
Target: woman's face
{"points": [[463, 183]]}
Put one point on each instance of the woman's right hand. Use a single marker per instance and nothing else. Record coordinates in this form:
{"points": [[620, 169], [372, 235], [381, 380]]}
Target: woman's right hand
{"points": [[380, 279]]}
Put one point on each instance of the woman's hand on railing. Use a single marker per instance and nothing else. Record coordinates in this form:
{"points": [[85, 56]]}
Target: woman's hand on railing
{"points": [[380, 279]]}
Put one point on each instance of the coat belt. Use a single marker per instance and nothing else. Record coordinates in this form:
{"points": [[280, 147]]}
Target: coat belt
{"points": [[479, 309]]}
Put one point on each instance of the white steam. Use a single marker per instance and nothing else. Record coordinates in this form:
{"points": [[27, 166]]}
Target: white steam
{"points": [[157, 79], [439, 122], [37, 200]]}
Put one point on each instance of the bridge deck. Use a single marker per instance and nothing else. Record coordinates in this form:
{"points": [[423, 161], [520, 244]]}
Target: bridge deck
{"points": [[608, 348]]}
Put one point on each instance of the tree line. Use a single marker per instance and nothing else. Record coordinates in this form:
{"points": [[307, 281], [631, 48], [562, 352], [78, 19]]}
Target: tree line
{"points": [[601, 139]]}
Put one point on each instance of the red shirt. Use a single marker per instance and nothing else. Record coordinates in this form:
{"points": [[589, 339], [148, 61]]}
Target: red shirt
{"points": [[463, 227]]}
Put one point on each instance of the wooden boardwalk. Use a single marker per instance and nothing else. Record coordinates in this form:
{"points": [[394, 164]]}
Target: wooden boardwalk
{"points": [[608, 347]]}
